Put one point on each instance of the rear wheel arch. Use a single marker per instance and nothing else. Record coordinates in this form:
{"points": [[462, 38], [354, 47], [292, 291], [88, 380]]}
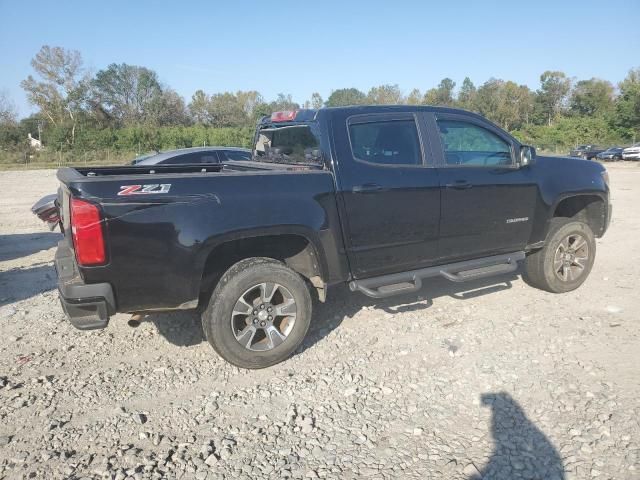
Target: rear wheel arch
{"points": [[296, 250]]}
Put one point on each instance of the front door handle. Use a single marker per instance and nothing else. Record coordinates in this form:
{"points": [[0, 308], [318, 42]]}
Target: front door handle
{"points": [[368, 188], [459, 185]]}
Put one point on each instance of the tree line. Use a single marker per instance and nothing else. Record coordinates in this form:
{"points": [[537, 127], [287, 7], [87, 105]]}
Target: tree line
{"points": [[126, 107]]}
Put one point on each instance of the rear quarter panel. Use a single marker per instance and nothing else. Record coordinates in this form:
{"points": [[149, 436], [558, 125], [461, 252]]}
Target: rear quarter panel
{"points": [[158, 244]]}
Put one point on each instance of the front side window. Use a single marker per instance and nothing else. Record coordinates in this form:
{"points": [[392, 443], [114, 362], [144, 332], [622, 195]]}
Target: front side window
{"points": [[469, 145], [386, 142]]}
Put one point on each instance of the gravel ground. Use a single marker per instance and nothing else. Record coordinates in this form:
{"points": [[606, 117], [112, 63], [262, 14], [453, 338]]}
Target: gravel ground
{"points": [[491, 379]]}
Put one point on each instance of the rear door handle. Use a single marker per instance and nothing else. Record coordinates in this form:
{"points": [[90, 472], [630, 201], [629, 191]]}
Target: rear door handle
{"points": [[459, 185], [368, 188]]}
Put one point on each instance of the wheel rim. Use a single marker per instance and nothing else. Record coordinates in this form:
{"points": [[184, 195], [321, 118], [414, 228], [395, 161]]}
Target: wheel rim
{"points": [[263, 316], [571, 258]]}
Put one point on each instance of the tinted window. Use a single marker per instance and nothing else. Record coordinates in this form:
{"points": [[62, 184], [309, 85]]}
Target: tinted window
{"points": [[191, 158], [237, 155], [288, 144], [466, 144], [386, 143]]}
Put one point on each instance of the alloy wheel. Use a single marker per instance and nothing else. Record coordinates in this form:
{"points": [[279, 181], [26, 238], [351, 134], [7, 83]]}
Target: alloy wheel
{"points": [[571, 257], [263, 316]]}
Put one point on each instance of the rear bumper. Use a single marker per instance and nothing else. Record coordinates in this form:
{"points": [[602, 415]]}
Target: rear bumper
{"points": [[87, 306]]}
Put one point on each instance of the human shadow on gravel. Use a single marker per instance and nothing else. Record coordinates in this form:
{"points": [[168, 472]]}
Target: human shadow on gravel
{"points": [[24, 244], [521, 449], [22, 283]]}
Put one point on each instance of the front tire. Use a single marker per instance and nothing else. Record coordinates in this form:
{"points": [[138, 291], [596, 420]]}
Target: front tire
{"points": [[564, 263], [259, 313]]}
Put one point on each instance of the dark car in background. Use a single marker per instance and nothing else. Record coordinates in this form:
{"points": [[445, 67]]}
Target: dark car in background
{"points": [[588, 152], [195, 155], [613, 153]]}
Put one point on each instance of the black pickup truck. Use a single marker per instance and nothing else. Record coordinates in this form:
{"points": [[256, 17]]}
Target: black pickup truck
{"points": [[588, 152], [380, 197]]}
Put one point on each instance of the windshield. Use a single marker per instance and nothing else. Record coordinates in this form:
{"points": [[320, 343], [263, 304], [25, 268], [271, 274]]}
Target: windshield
{"points": [[288, 144]]}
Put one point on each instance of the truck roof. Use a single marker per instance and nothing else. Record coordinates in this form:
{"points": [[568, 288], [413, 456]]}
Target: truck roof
{"points": [[305, 115]]}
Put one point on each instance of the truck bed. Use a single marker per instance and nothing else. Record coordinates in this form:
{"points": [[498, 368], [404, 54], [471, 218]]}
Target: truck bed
{"points": [[162, 222]]}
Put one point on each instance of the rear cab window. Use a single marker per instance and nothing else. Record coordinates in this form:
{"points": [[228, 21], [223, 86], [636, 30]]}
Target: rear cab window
{"points": [[289, 144]]}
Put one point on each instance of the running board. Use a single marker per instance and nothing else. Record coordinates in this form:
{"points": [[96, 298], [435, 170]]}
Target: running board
{"points": [[411, 281]]}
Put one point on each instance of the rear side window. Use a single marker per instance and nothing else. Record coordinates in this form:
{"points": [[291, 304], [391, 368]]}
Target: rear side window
{"points": [[237, 155], [191, 158], [469, 145], [386, 142]]}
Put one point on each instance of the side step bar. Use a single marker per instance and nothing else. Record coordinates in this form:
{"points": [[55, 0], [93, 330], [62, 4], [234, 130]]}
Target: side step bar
{"points": [[411, 281]]}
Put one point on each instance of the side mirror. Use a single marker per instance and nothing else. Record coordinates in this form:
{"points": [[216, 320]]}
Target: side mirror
{"points": [[527, 155]]}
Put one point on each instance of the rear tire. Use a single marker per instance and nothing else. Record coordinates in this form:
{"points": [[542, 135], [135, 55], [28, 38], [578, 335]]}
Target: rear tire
{"points": [[566, 259], [259, 313]]}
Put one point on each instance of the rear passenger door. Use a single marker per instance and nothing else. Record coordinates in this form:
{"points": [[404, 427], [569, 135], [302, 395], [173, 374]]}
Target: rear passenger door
{"points": [[389, 192], [488, 201]]}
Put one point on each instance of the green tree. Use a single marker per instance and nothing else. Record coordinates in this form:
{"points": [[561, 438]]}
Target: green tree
{"points": [[249, 101], [467, 94], [442, 94], [346, 96], [415, 97], [591, 97], [489, 97], [128, 93], [225, 110], [283, 102], [168, 108], [554, 87], [628, 104], [316, 100], [61, 90], [385, 95], [199, 108], [514, 106], [8, 114]]}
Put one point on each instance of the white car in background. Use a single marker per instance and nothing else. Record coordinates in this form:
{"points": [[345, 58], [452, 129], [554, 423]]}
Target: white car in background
{"points": [[632, 152]]}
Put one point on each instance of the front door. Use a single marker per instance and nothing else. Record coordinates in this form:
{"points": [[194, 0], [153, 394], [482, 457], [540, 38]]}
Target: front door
{"points": [[389, 193], [487, 200]]}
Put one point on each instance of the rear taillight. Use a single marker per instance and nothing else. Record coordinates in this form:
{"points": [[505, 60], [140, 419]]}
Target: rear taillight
{"points": [[88, 238]]}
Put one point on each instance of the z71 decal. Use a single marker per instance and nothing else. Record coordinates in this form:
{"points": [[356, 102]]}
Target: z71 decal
{"points": [[151, 189]]}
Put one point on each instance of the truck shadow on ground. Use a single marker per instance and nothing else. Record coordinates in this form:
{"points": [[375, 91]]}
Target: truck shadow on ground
{"points": [[24, 244], [342, 303], [521, 450], [185, 328], [22, 283]]}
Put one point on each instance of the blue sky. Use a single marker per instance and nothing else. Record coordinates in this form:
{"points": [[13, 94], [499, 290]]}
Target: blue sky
{"points": [[300, 47]]}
